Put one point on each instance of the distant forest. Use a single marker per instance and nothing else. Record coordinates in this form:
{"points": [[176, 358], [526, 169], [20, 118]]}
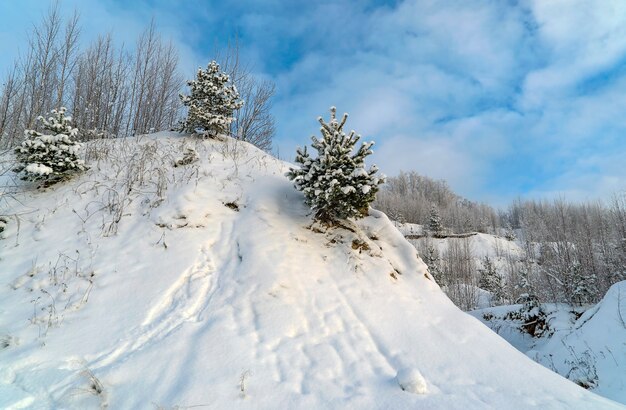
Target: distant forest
{"points": [[572, 252]]}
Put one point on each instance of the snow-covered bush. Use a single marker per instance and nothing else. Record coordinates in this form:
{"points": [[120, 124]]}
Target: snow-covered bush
{"points": [[211, 103], [336, 184], [53, 154]]}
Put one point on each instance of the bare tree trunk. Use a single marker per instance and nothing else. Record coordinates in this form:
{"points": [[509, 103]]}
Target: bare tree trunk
{"points": [[45, 57], [67, 57], [254, 122], [10, 93]]}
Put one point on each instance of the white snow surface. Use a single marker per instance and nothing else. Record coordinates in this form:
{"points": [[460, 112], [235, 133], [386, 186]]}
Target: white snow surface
{"points": [[412, 381], [594, 347], [590, 350], [140, 285]]}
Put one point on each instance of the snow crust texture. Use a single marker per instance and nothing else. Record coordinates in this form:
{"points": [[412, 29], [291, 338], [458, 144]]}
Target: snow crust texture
{"points": [[144, 285]]}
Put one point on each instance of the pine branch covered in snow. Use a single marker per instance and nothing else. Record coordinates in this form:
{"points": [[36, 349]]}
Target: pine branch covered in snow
{"points": [[212, 101], [336, 184], [52, 154]]}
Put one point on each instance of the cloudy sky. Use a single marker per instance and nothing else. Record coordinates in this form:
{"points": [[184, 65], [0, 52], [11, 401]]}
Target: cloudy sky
{"points": [[500, 98]]}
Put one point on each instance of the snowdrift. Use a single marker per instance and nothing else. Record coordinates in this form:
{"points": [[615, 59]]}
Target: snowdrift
{"points": [[593, 352], [147, 285]]}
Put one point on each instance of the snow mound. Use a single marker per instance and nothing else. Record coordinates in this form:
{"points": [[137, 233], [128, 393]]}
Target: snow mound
{"points": [[412, 381], [143, 284]]}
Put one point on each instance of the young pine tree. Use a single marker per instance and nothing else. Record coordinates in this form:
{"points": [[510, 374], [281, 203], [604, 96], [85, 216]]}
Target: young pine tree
{"points": [[336, 184], [53, 154], [434, 223], [212, 101], [433, 261], [531, 313], [491, 281], [509, 234], [583, 286]]}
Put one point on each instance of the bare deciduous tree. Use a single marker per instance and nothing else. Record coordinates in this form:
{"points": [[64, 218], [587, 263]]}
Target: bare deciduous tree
{"points": [[254, 121], [109, 91], [67, 53], [572, 252], [155, 85]]}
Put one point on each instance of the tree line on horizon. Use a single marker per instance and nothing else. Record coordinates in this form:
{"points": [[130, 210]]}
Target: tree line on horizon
{"points": [[572, 252], [113, 90]]}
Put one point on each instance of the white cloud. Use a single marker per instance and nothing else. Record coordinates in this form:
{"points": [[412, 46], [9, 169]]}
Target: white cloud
{"points": [[499, 98], [436, 157]]}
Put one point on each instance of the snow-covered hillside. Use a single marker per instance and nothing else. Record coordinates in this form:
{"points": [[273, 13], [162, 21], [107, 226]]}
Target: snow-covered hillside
{"points": [[482, 244], [589, 349], [144, 285], [456, 261]]}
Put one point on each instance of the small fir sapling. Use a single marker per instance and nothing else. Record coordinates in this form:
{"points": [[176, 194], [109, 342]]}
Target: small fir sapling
{"points": [[433, 261], [532, 315], [336, 184], [211, 103], [491, 281], [52, 154], [509, 234], [434, 223], [584, 286]]}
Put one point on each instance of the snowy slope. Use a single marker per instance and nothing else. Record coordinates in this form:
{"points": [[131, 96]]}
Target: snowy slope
{"points": [[593, 351], [503, 254], [589, 349], [142, 285]]}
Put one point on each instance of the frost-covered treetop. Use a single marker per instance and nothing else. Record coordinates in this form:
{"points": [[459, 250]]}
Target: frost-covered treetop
{"points": [[58, 123]]}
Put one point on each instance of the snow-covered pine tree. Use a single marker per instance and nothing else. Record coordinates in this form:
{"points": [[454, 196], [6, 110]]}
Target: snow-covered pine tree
{"points": [[53, 154], [509, 234], [531, 313], [491, 281], [434, 223], [433, 261], [584, 286], [336, 184], [524, 286], [212, 101]]}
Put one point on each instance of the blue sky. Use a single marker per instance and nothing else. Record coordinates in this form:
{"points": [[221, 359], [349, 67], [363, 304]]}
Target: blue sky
{"points": [[500, 98]]}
